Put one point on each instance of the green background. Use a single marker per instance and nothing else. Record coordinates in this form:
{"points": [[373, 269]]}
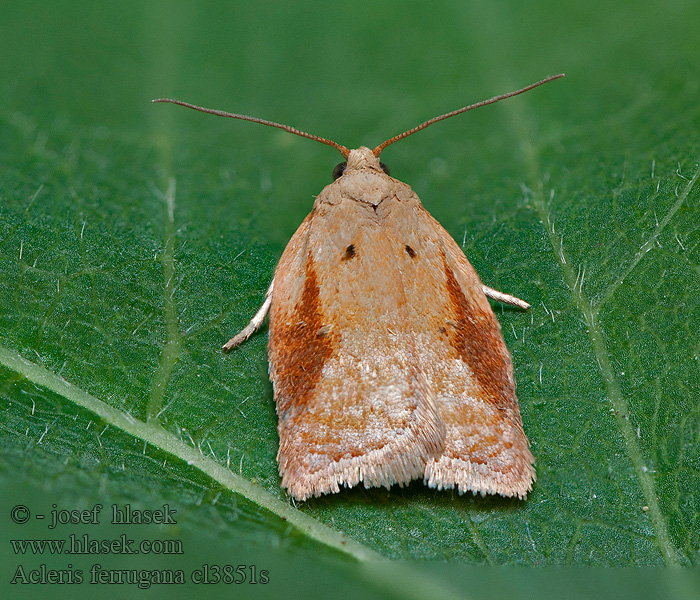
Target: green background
{"points": [[136, 238]]}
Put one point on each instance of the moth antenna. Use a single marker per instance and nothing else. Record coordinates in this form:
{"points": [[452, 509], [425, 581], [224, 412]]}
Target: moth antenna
{"points": [[378, 150], [220, 113]]}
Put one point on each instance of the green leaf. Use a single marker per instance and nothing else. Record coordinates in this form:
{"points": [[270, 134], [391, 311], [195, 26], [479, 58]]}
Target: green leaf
{"points": [[136, 238]]}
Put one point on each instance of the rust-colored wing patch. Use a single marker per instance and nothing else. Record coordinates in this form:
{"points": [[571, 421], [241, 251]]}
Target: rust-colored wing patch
{"points": [[353, 404], [476, 336], [301, 347]]}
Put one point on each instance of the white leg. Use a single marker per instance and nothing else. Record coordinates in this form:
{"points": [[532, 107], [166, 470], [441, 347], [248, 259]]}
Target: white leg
{"points": [[505, 298], [254, 324]]}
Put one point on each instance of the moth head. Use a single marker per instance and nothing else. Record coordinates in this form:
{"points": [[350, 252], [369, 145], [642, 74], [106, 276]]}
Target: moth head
{"points": [[361, 158]]}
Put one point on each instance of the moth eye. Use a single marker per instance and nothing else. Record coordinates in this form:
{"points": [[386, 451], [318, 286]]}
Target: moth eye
{"points": [[384, 168], [339, 169]]}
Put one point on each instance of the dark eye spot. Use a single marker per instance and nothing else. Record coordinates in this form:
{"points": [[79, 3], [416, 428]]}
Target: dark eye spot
{"points": [[410, 251], [349, 252], [384, 168], [339, 170]]}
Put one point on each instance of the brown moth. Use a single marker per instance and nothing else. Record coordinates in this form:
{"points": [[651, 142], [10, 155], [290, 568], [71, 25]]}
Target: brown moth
{"points": [[386, 359]]}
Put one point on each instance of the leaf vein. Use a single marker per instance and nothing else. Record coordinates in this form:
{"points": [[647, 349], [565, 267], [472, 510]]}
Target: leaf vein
{"points": [[649, 244], [171, 349], [153, 434], [619, 403]]}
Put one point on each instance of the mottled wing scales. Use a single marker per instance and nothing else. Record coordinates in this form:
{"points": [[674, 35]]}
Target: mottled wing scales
{"points": [[387, 361], [462, 352], [486, 449], [353, 404]]}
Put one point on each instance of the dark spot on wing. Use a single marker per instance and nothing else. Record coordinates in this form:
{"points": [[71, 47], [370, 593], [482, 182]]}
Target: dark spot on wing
{"points": [[349, 252]]}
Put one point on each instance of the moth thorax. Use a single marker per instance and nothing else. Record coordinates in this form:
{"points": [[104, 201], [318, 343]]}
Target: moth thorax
{"points": [[362, 158]]}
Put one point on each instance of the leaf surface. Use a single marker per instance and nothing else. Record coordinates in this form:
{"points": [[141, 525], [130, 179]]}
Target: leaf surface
{"points": [[135, 239]]}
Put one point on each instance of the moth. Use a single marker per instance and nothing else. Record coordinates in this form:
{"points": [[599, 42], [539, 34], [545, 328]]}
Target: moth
{"points": [[386, 359]]}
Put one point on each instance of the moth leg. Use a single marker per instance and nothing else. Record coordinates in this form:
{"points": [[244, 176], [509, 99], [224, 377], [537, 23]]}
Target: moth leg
{"points": [[505, 298], [254, 324]]}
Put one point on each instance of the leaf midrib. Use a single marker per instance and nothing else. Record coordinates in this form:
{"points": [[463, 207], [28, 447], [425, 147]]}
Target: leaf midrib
{"points": [[155, 435], [574, 281]]}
